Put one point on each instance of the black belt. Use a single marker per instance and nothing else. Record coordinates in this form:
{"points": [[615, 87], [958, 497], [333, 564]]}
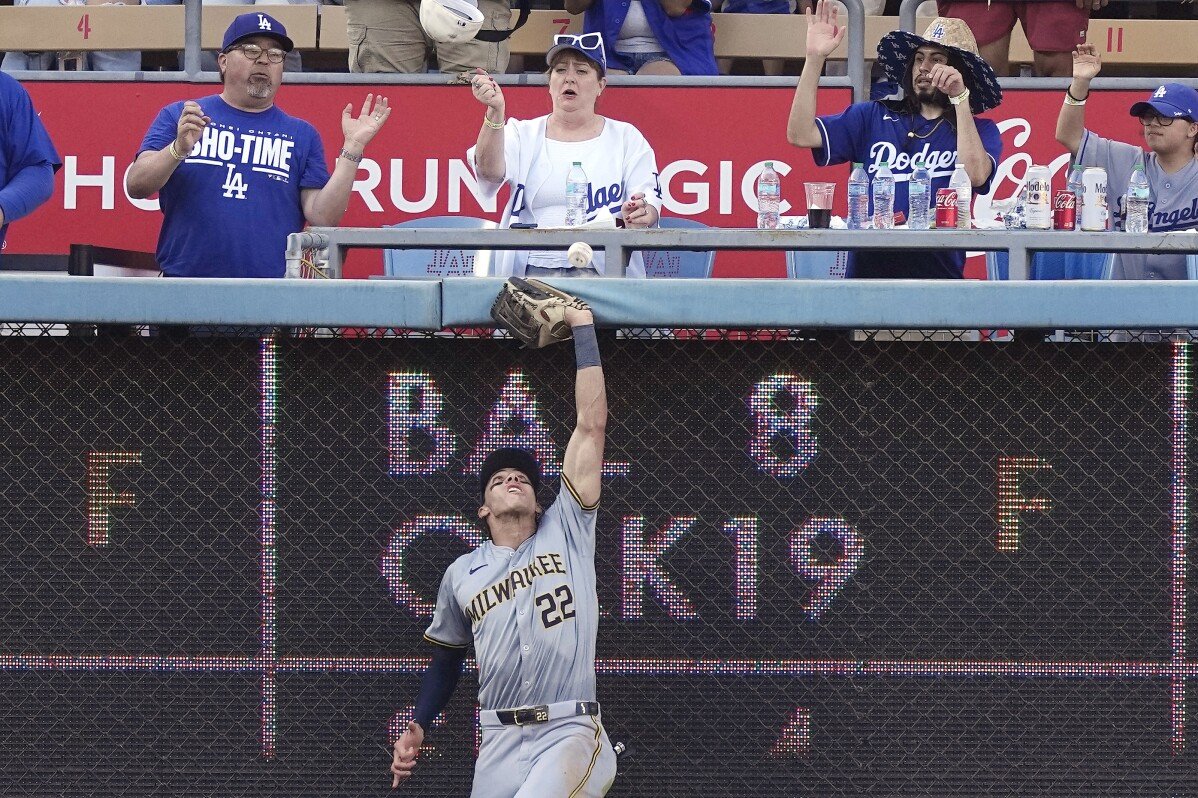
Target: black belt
{"points": [[540, 713]]}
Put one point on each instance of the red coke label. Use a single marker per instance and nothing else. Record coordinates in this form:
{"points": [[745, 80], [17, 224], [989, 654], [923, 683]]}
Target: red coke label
{"points": [[1064, 210], [946, 208]]}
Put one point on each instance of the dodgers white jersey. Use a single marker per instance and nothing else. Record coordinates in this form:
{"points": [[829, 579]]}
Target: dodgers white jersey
{"points": [[532, 613], [621, 164]]}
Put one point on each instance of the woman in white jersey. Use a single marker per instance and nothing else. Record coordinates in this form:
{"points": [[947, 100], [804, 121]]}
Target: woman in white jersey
{"points": [[534, 156]]}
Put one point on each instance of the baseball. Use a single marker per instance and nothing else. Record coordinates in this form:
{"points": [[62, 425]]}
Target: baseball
{"points": [[579, 255]]}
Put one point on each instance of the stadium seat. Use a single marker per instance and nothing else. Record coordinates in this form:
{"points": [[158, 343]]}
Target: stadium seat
{"points": [[812, 264], [437, 262], [678, 262], [1055, 266]]}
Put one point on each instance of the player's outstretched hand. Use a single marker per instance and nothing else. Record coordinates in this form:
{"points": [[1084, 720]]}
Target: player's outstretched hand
{"points": [[407, 748], [1086, 62]]}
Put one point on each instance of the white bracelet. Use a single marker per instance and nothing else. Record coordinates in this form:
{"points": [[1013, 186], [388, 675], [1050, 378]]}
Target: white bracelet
{"points": [[960, 98]]}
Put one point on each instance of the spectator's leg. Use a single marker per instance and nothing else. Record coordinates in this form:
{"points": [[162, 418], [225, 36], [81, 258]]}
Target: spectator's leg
{"points": [[491, 56], [1053, 30], [385, 36], [991, 25], [663, 67], [998, 55], [773, 67]]}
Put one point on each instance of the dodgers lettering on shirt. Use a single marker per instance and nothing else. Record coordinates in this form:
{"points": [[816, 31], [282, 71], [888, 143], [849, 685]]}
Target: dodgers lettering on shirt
{"points": [[229, 207], [871, 133], [1173, 203]]}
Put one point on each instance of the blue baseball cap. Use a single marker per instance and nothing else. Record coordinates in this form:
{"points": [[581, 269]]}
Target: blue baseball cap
{"points": [[589, 44], [1171, 100], [256, 24]]}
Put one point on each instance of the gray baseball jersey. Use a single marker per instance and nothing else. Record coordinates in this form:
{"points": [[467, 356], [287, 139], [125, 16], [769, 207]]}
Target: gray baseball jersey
{"points": [[532, 613], [1173, 204]]}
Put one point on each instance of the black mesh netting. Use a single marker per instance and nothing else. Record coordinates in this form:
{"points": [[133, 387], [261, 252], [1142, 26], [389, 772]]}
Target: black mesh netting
{"points": [[839, 613]]}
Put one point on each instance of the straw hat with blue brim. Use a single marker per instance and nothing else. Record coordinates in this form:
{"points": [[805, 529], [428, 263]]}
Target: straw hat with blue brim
{"points": [[896, 48]]}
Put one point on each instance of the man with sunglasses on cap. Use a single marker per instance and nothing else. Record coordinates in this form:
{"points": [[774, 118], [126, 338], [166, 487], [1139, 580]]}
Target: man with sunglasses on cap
{"points": [[1170, 121], [526, 601], [235, 174], [945, 86]]}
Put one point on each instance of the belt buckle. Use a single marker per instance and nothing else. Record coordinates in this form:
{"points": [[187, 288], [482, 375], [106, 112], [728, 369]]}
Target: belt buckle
{"points": [[529, 715]]}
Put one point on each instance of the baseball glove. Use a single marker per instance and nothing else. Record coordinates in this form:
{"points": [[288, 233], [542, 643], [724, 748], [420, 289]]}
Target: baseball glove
{"points": [[534, 312]]}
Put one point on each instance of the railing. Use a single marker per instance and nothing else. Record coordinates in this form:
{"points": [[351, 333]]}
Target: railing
{"points": [[619, 244]]}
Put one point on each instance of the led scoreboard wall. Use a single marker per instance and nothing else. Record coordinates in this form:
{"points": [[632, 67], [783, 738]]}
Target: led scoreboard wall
{"points": [[825, 569]]}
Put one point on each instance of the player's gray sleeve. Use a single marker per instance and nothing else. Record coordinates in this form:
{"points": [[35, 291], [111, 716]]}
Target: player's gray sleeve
{"points": [[449, 627], [576, 519]]}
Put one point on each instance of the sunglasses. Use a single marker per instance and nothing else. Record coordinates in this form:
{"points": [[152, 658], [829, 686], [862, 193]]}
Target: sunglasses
{"points": [[587, 42], [1163, 121]]}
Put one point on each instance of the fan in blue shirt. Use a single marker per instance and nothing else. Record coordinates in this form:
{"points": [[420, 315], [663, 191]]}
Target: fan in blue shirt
{"points": [[945, 85], [28, 159]]}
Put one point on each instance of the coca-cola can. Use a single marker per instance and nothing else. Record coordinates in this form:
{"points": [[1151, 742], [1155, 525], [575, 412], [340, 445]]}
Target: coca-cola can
{"points": [[1064, 210], [1094, 207], [946, 209], [1037, 206]]}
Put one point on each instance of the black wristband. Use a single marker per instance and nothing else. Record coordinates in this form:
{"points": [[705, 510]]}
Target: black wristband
{"points": [[586, 347]]}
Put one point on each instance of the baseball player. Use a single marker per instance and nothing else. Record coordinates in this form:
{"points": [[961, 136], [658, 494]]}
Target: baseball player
{"points": [[526, 600], [1170, 120]]}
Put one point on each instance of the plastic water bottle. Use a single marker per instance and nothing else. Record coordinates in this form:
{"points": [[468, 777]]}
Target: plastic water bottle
{"points": [[858, 198], [576, 196], [1137, 201], [919, 192], [1073, 182], [769, 197], [960, 182], [884, 197]]}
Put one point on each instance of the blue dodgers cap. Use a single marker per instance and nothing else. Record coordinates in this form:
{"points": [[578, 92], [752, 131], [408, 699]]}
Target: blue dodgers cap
{"points": [[256, 24], [1171, 100], [588, 44], [523, 460]]}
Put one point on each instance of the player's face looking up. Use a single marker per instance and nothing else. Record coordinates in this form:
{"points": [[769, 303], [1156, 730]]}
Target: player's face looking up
{"points": [[574, 82], [254, 79], [509, 493]]}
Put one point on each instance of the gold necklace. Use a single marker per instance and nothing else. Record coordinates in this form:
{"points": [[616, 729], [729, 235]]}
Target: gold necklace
{"points": [[911, 134]]}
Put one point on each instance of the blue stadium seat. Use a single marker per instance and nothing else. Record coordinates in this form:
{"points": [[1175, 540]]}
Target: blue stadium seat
{"points": [[812, 264], [1192, 266], [435, 262], [1055, 266], [678, 262]]}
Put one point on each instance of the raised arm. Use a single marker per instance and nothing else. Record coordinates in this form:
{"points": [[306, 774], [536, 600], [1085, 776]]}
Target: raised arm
{"points": [[325, 206], [971, 153], [584, 454], [1071, 123], [489, 158], [824, 34], [153, 168]]}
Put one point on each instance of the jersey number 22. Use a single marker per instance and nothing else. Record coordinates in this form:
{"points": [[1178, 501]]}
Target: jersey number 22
{"points": [[556, 607]]}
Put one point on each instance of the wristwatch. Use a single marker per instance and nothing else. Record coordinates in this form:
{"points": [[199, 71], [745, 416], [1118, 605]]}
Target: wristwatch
{"points": [[960, 98], [347, 155]]}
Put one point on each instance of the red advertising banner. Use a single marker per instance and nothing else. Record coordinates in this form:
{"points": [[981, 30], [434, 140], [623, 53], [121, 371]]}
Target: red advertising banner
{"points": [[711, 142]]}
